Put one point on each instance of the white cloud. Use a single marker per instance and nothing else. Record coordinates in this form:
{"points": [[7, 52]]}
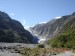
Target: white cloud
{"points": [[23, 22], [57, 17], [12, 14], [27, 27]]}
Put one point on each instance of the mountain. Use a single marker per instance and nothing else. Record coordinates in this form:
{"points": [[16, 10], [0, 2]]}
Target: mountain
{"points": [[52, 28], [66, 37], [12, 30]]}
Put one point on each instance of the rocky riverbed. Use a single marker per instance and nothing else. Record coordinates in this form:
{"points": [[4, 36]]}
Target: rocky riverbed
{"points": [[11, 49], [8, 53], [20, 49]]}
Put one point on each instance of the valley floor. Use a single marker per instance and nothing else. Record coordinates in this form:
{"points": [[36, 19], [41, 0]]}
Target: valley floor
{"points": [[19, 49], [67, 53], [8, 53]]}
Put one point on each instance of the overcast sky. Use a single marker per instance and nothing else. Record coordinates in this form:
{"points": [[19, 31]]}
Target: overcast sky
{"points": [[31, 12]]}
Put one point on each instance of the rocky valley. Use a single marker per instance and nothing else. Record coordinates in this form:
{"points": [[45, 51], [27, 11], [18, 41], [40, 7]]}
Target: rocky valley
{"points": [[54, 38]]}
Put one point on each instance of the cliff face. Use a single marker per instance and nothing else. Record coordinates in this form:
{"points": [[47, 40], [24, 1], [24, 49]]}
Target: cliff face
{"points": [[66, 37], [12, 30], [51, 28]]}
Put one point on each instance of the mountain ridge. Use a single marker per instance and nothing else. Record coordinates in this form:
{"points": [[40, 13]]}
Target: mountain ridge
{"points": [[66, 37], [51, 28], [12, 30]]}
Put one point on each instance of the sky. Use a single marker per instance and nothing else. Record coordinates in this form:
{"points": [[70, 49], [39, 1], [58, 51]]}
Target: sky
{"points": [[32, 12]]}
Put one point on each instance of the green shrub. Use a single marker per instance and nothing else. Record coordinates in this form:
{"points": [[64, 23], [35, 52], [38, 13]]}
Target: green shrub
{"points": [[41, 46]]}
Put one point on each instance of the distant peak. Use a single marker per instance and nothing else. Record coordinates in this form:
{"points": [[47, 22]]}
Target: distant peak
{"points": [[42, 22], [3, 14], [73, 13]]}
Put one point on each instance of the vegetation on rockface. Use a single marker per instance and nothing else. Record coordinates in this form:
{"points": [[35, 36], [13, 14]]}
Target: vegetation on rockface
{"points": [[41, 46], [38, 51], [66, 37], [6, 37], [51, 28], [12, 30]]}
